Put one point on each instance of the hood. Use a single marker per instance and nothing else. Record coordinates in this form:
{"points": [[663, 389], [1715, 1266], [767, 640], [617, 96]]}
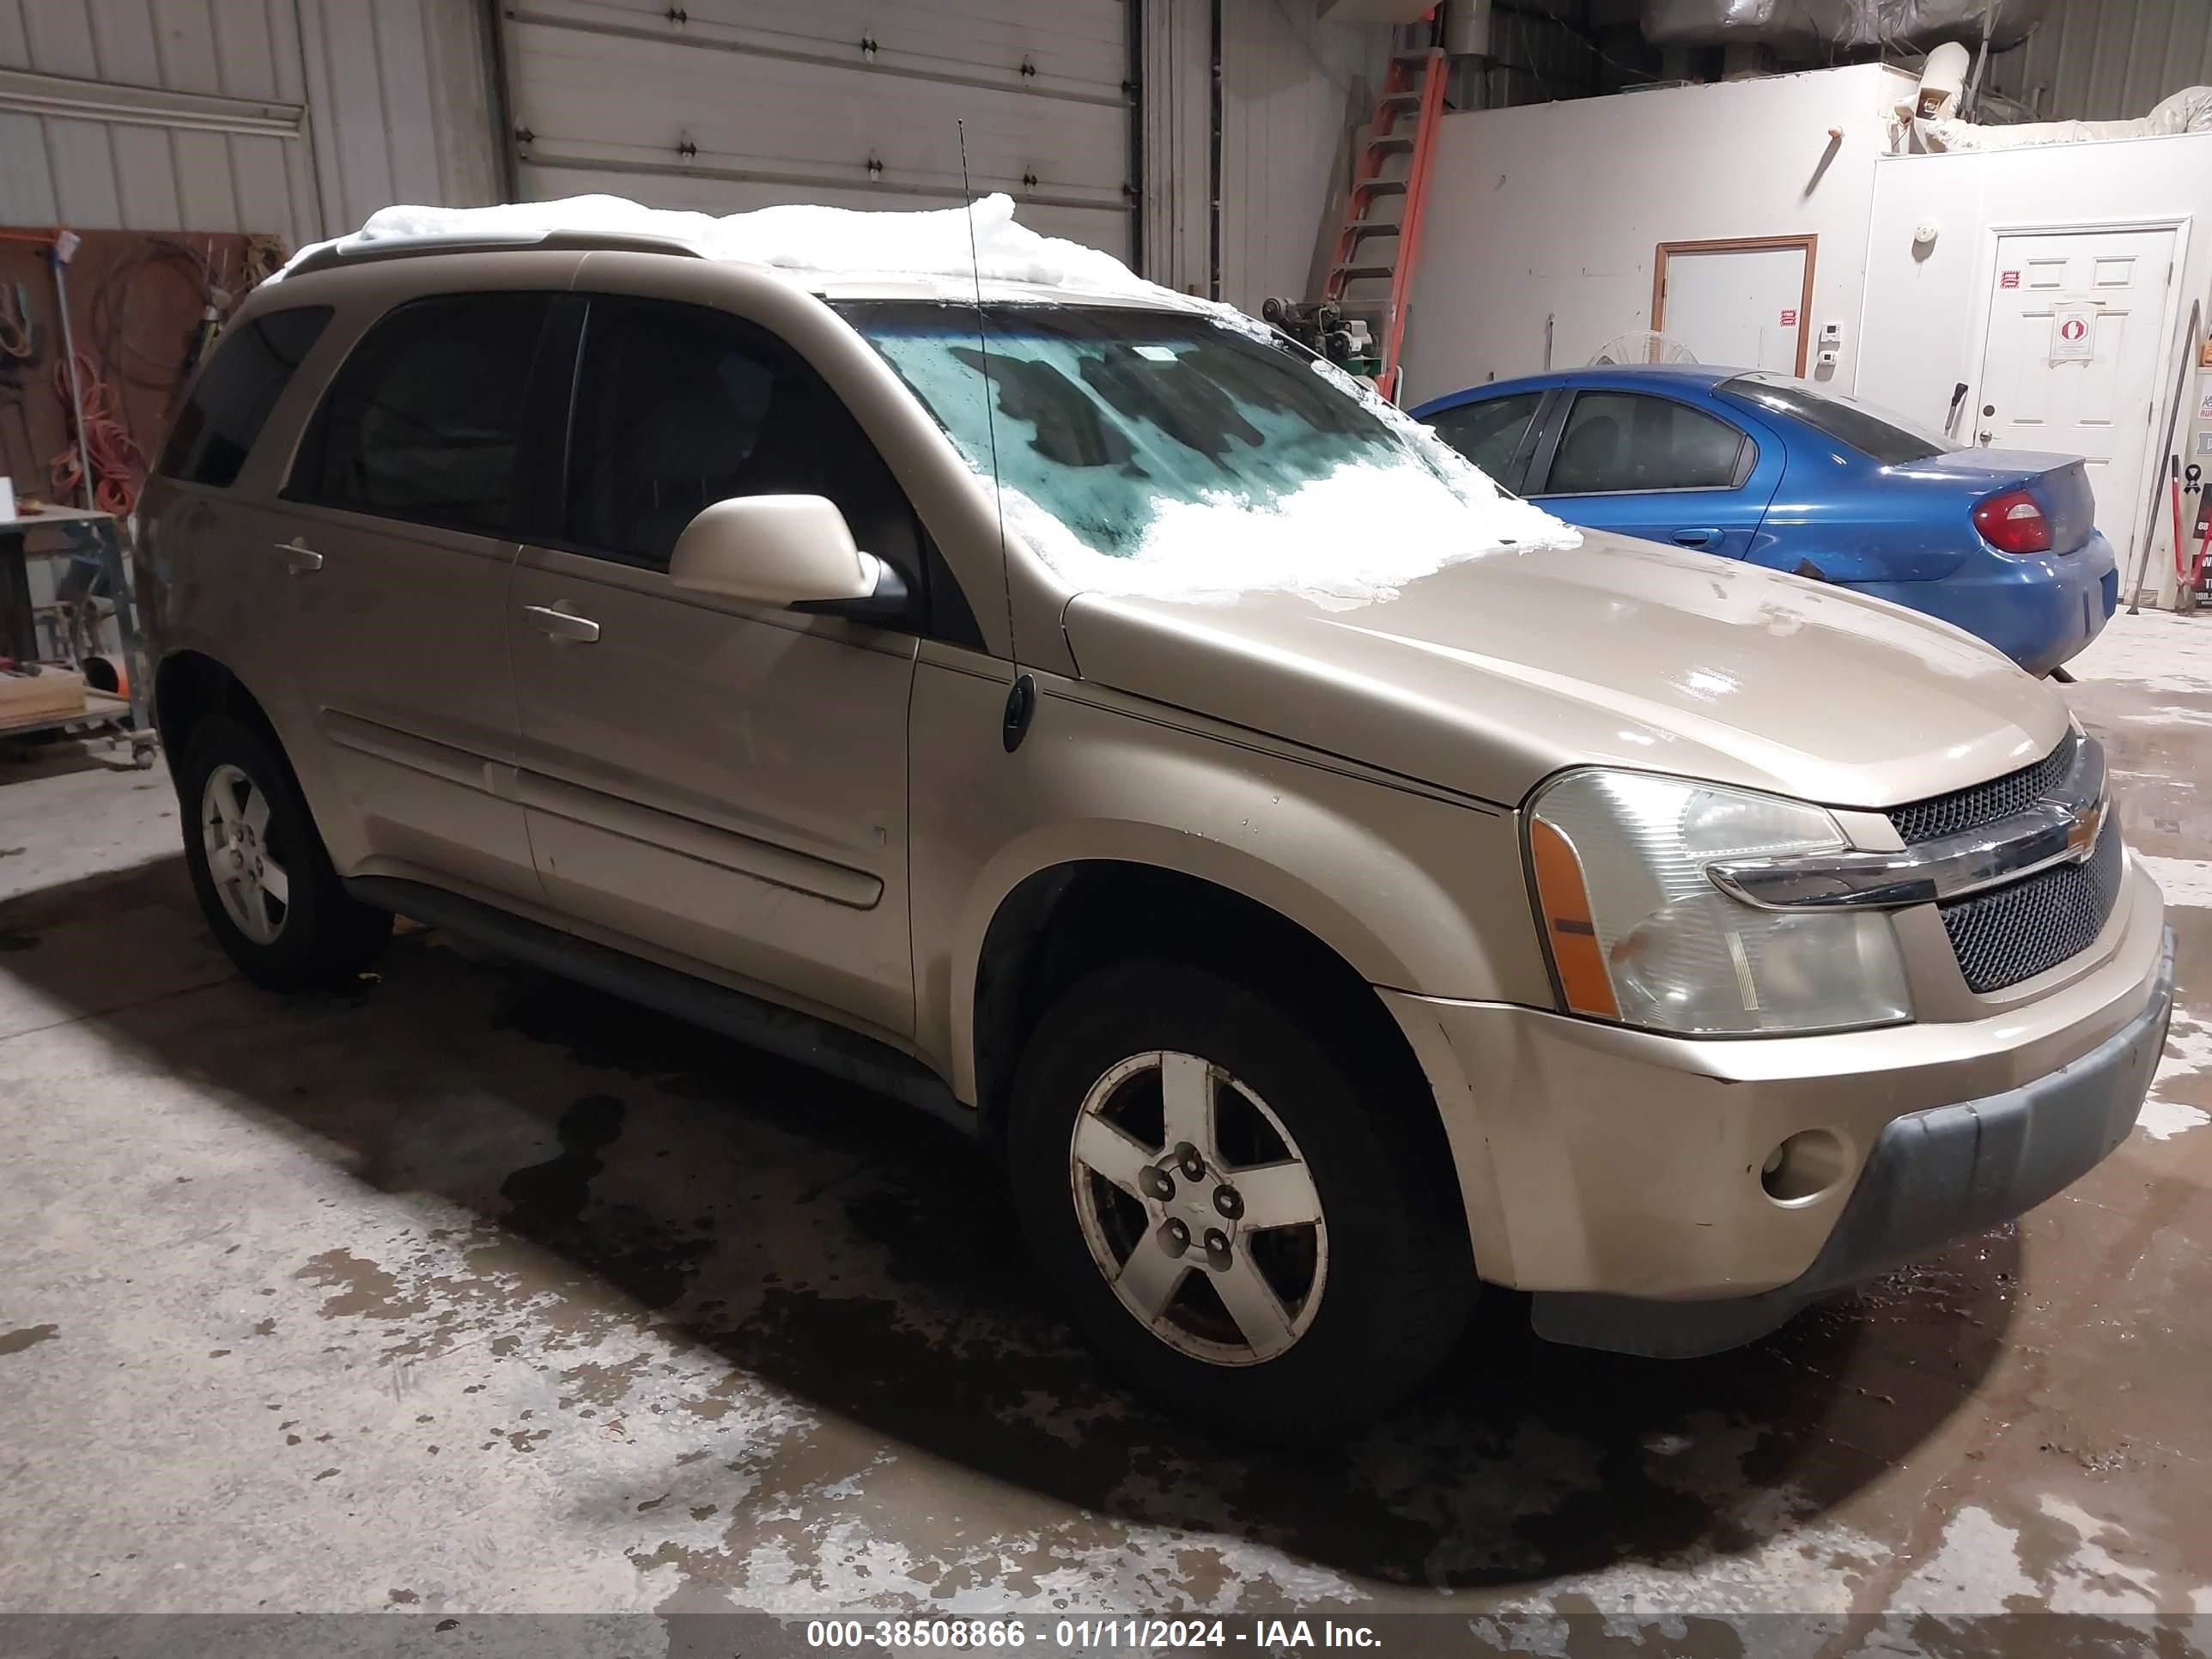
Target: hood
{"points": [[1488, 676]]}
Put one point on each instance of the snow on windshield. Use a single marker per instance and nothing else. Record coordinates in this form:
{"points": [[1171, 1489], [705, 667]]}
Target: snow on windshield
{"points": [[1172, 457], [1179, 456]]}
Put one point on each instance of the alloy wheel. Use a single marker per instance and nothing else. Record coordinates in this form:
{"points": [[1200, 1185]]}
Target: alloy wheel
{"points": [[255, 888], [1199, 1208]]}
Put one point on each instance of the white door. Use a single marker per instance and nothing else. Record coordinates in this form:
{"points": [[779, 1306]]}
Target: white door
{"points": [[849, 103], [2071, 363], [1736, 308]]}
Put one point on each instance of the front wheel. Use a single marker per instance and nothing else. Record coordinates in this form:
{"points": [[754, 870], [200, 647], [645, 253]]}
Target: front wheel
{"points": [[1238, 1228]]}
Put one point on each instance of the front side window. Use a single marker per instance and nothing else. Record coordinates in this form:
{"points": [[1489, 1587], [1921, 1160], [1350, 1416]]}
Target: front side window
{"points": [[1885, 439], [1621, 441], [1487, 433], [230, 401], [679, 407], [424, 421]]}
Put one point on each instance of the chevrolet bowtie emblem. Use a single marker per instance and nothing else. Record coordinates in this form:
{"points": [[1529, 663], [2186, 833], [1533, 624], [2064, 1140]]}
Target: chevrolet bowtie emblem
{"points": [[2081, 834]]}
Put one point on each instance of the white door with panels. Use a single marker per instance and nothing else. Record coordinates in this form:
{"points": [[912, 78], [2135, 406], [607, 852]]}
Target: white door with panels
{"points": [[2073, 361]]}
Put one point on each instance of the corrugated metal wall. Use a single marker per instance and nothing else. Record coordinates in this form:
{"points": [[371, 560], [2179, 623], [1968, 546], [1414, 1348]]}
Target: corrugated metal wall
{"points": [[1292, 90], [392, 89], [1176, 109], [729, 104], [396, 97], [2109, 60]]}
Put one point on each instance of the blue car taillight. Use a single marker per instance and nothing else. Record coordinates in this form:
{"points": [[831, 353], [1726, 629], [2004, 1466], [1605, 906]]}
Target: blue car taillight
{"points": [[2013, 522]]}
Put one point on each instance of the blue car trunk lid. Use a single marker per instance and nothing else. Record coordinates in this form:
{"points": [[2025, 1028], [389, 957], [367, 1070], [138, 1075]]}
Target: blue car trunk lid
{"points": [[2067, 503]]}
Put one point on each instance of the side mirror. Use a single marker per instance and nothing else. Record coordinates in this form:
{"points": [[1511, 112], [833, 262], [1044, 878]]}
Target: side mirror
{"points": [[795, 551]]}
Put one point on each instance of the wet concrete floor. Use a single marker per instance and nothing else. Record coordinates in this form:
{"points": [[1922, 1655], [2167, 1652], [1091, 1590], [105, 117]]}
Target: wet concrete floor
{"points": [[475, 1291]]}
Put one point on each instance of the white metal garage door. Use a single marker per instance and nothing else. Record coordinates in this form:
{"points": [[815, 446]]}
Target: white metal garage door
{"points": [[725, 104]]}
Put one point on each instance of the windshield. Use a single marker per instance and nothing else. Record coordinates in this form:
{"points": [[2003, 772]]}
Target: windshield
{"points": [[1138, 449], [1890, 440]]}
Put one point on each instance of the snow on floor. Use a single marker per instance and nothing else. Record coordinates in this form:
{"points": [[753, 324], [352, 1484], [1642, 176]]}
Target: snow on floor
{"points": [[2156, 648], [2184, 881], [2188, 1052]]}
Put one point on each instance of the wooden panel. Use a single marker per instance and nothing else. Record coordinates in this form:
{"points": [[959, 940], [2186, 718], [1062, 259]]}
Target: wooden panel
{"points": [[24, 698], [134, 326]]}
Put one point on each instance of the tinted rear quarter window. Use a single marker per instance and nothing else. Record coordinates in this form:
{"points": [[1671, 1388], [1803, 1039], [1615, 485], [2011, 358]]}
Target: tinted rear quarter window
{"points": [[230, 402], [1888, 440], [424, 421]]}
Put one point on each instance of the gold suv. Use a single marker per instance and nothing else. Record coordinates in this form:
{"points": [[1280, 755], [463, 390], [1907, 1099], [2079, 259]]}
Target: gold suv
{"points": [[1673, 939]]}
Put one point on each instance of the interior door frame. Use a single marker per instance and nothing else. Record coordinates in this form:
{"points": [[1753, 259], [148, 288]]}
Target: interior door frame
{"points": [[2169, 322], [1809, 242]]}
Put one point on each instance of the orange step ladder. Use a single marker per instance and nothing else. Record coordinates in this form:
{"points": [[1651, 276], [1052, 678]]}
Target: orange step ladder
{"points": [[1375, 248]]}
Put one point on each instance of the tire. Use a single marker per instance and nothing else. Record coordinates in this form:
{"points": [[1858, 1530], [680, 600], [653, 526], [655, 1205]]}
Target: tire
{"points": [[1374, 1294], [308, 936]]}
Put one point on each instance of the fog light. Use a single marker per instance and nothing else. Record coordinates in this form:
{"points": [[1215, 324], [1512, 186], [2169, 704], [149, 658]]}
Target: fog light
{"points": [[1804, 1166]]}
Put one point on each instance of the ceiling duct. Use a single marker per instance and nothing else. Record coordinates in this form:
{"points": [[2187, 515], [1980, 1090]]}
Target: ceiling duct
{"points": [[1819, 24]]}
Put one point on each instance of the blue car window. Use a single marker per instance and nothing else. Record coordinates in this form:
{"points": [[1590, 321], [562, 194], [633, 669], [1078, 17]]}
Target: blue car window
{"points": [[1488, 432], [1619, 442], [1886, 439]]}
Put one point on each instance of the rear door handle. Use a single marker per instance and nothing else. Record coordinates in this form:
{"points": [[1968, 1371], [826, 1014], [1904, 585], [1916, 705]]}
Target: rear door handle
{"points": [[1696, 538], [299, 559], [559, 625]]}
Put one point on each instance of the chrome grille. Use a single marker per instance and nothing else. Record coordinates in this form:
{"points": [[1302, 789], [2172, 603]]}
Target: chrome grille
{"points": [[1984, 803], [2014, 933]]}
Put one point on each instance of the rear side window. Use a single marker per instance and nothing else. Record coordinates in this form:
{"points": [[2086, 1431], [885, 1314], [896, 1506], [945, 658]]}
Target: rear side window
{"points": [[1487, 433], [425, 419], [252, 364], [1886, 439], [1621, 441]]}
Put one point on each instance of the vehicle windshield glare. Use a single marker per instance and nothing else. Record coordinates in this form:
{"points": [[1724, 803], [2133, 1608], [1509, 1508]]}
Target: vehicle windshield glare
{"points": [[1133, 446], [1887, 439]]}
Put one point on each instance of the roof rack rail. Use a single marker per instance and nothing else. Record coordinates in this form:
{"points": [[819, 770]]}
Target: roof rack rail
{"points": [[555, 241]]}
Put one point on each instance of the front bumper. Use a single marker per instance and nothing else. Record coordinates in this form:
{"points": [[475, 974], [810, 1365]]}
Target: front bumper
{"points": [[1933, 1176], [1617, 1174]]}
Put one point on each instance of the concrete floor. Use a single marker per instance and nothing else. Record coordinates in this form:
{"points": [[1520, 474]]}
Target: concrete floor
{"points": [[476, 1293]]}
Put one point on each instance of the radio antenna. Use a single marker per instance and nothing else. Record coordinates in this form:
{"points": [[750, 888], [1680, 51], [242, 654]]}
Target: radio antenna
{"points": [[990, 418]]}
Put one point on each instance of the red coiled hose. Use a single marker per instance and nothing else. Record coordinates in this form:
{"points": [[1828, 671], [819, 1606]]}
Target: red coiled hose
{"points": [[118, 465]]}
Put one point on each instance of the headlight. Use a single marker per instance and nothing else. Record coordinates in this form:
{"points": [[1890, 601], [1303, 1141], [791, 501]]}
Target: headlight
{"points": [[1639, 933]]}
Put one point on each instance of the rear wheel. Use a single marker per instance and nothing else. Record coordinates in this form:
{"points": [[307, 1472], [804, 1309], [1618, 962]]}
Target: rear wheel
{"points": [[264, 879], [1238, 1228]]}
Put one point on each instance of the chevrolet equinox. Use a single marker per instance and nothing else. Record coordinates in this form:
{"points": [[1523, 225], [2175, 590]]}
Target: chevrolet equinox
{"points": [[892, 672]]}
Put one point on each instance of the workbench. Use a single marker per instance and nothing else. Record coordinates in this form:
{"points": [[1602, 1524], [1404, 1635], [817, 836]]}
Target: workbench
{"points": [[79, 533]]}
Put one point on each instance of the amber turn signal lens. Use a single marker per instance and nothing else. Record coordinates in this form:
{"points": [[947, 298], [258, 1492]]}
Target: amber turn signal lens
{"points": [[1564, 904]]}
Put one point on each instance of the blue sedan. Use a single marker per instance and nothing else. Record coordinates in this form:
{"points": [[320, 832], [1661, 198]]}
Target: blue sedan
{"points": [[1778, 470]]}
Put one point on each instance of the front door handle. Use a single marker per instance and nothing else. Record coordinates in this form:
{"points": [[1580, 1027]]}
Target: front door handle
{"points": [[1696, 538], [299, 558], [559, 625]]}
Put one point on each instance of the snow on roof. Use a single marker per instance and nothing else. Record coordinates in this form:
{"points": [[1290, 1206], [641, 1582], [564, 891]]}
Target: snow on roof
{"points": [[840, 243]]}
